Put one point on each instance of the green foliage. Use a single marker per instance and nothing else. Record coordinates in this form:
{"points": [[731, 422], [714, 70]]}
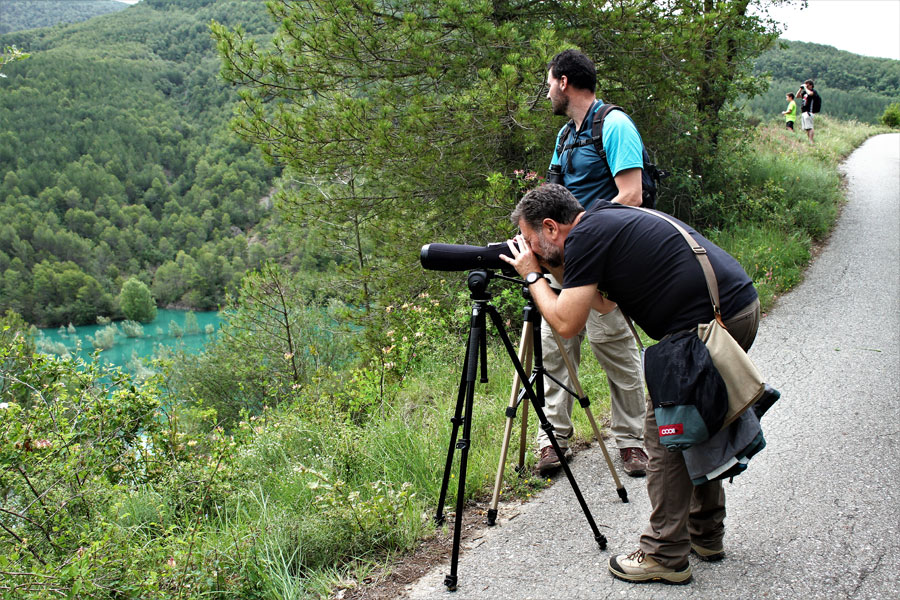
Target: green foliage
{"points": [[891, 116], [122, 164], [31, 14], [10, 54], [136, 302], [396, 149], [68, 442], [132, 329], [104, 339], [272, 344]]}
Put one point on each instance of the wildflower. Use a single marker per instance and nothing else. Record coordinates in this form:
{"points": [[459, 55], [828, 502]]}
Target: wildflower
{"points": [[171, 562], [4, 405], [519, 172], [531, 175], [42, 444]]}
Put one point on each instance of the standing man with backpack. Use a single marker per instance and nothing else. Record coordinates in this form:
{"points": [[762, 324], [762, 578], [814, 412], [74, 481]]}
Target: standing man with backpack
{"points": [[811, 104], [614, 175]]}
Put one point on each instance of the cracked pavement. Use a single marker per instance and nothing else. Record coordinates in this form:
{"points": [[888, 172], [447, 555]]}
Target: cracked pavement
{"points": [[817, 514]]}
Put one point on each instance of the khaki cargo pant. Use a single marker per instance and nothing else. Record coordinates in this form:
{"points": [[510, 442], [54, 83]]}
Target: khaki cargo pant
{"points": [[614, 346]]}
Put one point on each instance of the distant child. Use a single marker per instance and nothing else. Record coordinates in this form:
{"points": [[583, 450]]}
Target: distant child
{"points": [[790, 115]]}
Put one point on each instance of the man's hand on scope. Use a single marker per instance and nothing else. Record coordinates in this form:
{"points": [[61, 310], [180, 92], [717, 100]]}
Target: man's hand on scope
{"points": [[523, 260]]}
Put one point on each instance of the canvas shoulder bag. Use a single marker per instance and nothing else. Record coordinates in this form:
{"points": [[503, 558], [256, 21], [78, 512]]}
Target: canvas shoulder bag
{"points": [[743, 382]]}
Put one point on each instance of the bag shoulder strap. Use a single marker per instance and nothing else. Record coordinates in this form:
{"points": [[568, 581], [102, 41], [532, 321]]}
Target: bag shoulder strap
{"points": [[700, 254]]}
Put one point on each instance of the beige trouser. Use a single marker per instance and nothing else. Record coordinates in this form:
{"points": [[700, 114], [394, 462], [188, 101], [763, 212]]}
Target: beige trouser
{"points": [[614, 346], [681, 511]]}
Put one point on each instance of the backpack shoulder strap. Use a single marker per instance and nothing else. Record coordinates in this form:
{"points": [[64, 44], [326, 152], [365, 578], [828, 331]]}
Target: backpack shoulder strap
{"points": [[562, 136], [597, 127]]}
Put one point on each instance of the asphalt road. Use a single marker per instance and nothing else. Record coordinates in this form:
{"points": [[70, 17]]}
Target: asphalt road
{"points": [[817, 514]]}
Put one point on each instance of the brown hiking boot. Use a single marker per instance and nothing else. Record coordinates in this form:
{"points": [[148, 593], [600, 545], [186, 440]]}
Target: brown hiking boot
{"points": [[708, 554], [634, 461], [549, 461]]}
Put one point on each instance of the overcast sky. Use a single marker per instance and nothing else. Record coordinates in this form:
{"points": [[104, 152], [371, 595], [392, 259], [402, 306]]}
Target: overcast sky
{"points": [[868, 27]]}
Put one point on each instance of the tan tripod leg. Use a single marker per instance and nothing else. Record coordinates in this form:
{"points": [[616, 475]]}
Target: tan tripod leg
{"points": [[525, 355], [573, 376]]}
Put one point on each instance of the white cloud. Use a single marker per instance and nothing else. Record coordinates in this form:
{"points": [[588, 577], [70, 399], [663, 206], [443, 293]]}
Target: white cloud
{"points": [[867, 27]]}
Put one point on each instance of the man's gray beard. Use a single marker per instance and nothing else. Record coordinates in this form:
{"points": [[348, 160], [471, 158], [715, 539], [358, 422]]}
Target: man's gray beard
{"points": [[550, 254]]}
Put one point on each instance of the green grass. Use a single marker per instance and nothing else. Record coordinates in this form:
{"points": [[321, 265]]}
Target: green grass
{"points": [[787, 197]]}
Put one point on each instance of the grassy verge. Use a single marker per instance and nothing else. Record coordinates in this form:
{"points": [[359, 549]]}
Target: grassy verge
{"points": [[786, 199]]}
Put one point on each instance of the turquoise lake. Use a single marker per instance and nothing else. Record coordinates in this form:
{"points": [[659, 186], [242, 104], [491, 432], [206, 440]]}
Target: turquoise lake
{"points": [[160, 335]]}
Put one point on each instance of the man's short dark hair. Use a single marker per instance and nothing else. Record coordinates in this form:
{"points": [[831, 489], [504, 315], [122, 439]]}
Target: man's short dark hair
{"points": [[578, 69], [790, 95], [810, 83], [548, 201]]}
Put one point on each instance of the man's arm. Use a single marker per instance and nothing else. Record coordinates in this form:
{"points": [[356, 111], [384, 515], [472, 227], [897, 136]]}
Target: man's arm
{"points": [[630, 187], [567, 312], [624, 155]]}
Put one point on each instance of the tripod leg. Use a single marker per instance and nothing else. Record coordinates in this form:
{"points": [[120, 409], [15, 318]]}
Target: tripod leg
{"points": [[585, 404], [525, 358], [456, 420], [476, 336], [523, 436], [536, 402]]}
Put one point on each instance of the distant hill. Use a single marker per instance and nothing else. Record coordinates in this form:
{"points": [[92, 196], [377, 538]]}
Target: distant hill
{"points": [[18, 15], [852, 86], [116, 161]]}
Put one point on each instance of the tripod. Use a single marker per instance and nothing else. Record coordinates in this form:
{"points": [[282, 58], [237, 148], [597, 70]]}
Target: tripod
{"points": [[531, 338], [476, 348]]}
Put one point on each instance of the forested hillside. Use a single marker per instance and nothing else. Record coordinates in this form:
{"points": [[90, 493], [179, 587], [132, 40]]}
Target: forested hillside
{"points": [[852, 86], [116, 161], [16, 15]]}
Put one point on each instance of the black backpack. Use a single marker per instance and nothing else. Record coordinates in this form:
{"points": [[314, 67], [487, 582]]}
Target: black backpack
{"points": [[650, 173], [816, 102], [811, 101]]}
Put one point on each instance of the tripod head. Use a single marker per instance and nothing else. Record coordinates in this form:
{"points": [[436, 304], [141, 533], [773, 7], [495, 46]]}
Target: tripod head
{"points": [[479, 280]]}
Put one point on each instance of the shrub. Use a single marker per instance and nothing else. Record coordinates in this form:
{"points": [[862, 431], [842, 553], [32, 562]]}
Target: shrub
{"points": [[891, 116], [132, 329]]}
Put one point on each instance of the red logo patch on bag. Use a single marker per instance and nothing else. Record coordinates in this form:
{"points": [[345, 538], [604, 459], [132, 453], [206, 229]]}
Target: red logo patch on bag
{"points": [[676, 429]]}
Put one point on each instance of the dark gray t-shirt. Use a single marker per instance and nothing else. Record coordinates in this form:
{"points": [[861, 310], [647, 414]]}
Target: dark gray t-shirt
{"points": [[646, 267]]}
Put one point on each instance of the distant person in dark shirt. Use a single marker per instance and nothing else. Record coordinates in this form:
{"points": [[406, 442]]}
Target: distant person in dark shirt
{"points": [[807, 93]]}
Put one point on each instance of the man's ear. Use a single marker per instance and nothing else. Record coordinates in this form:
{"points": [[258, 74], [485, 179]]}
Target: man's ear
{"points": [[563, 82], [550, 229]]}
